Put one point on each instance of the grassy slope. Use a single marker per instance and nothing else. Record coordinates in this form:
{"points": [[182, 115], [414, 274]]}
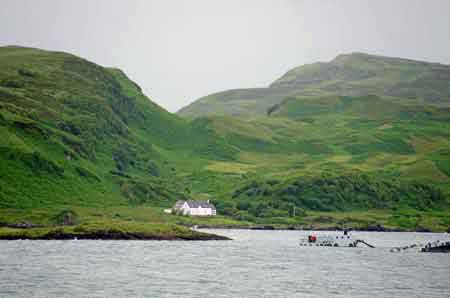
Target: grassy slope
{"points": [[389, 149], [77, 136], [351, 75], [318, 124]]}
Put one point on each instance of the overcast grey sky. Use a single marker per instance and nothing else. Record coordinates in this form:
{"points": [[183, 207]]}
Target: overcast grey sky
{"points": [[180, 50]]}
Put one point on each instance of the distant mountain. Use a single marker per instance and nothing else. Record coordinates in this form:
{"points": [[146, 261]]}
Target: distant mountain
{"points": [[355, 74]]}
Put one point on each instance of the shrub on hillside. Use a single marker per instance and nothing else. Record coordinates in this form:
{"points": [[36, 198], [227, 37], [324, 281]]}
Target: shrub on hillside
{"points": [[66, 218]]}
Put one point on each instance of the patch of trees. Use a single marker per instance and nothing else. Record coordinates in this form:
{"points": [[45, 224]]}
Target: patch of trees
{"points": [[253, 204], [340, 193]]}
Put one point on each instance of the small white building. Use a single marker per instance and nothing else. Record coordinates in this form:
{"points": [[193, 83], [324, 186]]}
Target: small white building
{"points": [[194, 208]]}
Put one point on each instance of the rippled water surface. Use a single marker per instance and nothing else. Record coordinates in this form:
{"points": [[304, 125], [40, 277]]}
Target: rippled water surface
{"points": [[255, 264]]}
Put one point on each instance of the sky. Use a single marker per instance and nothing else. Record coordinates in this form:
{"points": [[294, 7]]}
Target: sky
{"points": [[179, 51]]}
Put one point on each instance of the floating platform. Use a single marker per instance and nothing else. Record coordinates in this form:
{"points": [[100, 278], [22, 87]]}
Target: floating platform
{"points": [[345, 240]]}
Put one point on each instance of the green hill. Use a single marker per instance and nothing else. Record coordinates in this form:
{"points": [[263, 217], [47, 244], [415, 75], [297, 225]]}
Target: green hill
{"points": [[398, 154], [81, 141], [74, 133], [342, 134], [317, 140], [355, 74]]}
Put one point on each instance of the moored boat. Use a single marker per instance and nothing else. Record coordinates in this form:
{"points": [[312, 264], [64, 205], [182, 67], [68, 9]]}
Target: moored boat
{"points": [[437, 246]]}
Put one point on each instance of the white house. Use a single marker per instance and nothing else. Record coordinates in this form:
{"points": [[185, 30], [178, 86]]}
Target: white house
{"points": [[194, 208]]}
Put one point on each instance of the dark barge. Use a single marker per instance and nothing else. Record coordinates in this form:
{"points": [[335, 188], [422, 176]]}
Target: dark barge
{"points": [[437, 246]]}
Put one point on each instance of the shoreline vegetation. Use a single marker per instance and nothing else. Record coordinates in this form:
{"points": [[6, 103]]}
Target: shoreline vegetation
{"points": [[178, 228], [152, 223], [109, 230], [160, 232]]}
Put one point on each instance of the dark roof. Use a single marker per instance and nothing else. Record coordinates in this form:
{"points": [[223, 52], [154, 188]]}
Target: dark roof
{"points": [[197, 204]]}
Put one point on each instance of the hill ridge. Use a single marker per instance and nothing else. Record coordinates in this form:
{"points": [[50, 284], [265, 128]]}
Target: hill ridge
{"points": [[353, 74]]}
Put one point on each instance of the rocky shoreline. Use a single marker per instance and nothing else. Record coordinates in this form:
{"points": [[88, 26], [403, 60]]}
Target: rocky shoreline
{"points": [[107, 235]]}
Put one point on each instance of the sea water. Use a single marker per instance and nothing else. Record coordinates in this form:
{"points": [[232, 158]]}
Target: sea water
{"points": [[255, 264]]}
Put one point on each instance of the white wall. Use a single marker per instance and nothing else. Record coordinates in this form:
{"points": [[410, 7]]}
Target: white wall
{"points": [[186, 210], [198, 211]]}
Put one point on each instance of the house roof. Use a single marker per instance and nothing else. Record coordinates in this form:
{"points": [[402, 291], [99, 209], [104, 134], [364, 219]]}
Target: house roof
{"points": [[195, 204]]}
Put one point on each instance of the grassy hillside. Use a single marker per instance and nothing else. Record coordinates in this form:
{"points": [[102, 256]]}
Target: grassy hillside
{"points": [[81, 141], [75, 134], [355, 74], [337, 154], [311, 135], [358, 133]]}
